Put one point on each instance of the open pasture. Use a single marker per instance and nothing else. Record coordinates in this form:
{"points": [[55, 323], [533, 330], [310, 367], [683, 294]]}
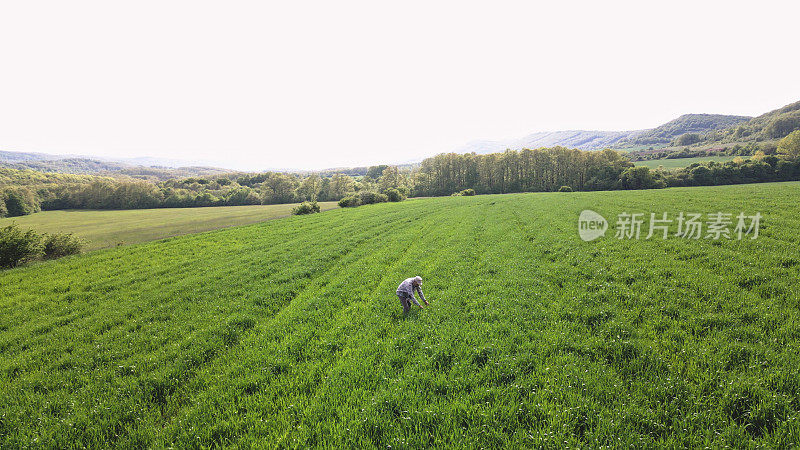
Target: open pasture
{"points": [[109, 228]]}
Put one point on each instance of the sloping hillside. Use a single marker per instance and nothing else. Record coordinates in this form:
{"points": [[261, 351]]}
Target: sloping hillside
{"points": [[772, 125], [698, 124], [584, 140], [685, 124]]}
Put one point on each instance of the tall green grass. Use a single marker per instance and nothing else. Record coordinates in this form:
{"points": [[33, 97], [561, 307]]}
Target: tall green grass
{"points": [[288, 333]]}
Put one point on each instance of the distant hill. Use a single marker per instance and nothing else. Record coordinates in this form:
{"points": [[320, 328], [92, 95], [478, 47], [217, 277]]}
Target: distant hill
{"points": [[42, 162], [770, 126], [146, 168], [582, 139], [13, 157], [65, 165], [697, 124]]}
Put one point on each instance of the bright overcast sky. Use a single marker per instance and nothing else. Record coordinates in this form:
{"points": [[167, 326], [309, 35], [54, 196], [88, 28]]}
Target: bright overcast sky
{"points": [[337, 83]]}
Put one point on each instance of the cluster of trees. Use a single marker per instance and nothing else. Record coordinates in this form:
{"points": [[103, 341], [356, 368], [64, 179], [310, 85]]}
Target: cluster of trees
{"points": [[25, 192], [544, 169], [561, 169], [759, 169], [18, 202]]}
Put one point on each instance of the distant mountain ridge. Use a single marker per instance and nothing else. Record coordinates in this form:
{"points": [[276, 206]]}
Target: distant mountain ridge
{"points": [[581, 139], [14, 157], [596, 140]]}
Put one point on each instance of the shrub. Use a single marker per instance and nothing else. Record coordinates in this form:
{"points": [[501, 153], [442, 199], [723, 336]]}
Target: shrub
{"points": [[306, 208], [363, 198], [17, 246], [367, 197], [394, 195], [60, 244], [3, 211], [348, 202], [467, 192], [565, 189]]}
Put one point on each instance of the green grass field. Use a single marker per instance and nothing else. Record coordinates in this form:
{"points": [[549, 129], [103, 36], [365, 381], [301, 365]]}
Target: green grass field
{"points": [[287, 333], [104, 228], [680, 163]]}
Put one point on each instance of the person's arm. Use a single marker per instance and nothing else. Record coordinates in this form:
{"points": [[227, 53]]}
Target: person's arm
{"points": [[419, 290], [414, 299]]}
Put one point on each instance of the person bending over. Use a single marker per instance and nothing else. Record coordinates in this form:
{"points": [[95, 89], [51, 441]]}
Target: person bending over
{"points": [[406, 293]]}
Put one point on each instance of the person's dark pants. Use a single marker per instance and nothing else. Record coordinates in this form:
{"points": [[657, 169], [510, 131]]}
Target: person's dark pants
{"points": [[406, 302]]}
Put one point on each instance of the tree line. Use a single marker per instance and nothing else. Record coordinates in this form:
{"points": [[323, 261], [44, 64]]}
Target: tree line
{"points": [[545, 169], [538, 170], [559, 169], [23, 192]]}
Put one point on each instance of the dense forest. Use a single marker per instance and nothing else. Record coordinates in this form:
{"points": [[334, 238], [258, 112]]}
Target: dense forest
{"points": [[771, 126], [705, 130], [687, 124]]}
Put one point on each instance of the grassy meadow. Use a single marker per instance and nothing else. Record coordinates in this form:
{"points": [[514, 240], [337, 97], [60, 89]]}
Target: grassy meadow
{"points": [[287, 333], [109, 228], [679, 163]]}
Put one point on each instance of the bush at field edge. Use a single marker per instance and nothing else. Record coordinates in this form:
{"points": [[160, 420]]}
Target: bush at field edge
{"points": [[306, 208], [18, 247]]}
